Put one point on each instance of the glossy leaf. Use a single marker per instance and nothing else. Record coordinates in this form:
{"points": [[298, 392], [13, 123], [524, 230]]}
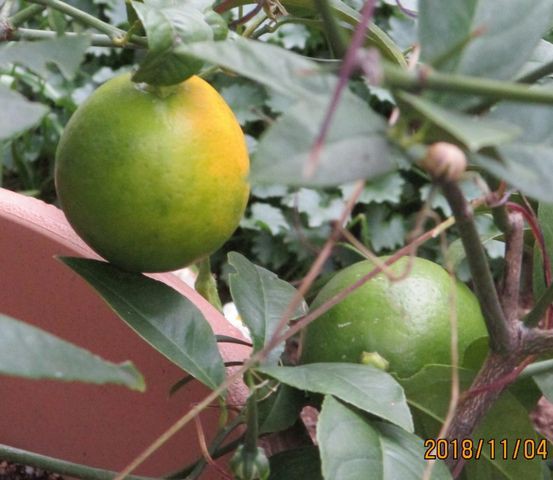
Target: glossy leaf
{"points": [[261, 299], [363, 386], [18, 114], [169, 322], [66, 53], [279, 410], [26, 351], [428, 393], [472, 132], [350, 448], [300, 464], [354, 448]]}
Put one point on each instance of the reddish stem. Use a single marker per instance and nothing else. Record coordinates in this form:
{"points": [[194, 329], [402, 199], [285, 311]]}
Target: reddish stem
{"points": [[532, 220]]}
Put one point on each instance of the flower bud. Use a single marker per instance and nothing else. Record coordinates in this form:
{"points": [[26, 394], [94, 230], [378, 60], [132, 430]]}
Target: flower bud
{"points": [[444, 161], [247, 465]]}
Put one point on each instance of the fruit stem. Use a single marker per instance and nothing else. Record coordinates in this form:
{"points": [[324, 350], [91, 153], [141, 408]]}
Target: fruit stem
{"points": [[501, 339], [206, 285], [252, 432]]}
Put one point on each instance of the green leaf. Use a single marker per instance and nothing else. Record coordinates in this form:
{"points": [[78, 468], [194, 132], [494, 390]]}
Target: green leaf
{"points": [[300, 464], [526, 162], [544, 379], [297, 76], [543, 54], [428, 392], [26, 351], [545, 218], [317, 207], [168, 26], [169, 322], [404, 455], [488, 233], [18, 114], [261, 299], [472, 132], [66, 53], [363, 386], [281, 409], [356, 146], [245, 100], [479, 37], [353, 448], [265, 217], [387, 188], [350, 448]]}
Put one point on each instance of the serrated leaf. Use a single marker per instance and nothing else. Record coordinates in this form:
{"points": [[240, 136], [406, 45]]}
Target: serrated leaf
{"points": [[165, 319], [26, 351], [67, 53], [362, 386], [244, 100], [474, 133], [265, 217], [261, 299], [479, 37], [428, 393], [18, 114], [387, 188], [318, 208], [354, 448]]}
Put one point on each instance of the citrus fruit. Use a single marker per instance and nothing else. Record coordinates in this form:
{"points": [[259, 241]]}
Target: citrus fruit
{"points": [[406, 322], [153, 180]]}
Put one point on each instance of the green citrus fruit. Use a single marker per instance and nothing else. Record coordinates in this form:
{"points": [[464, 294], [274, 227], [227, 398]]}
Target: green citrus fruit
{"points": [[406, 322], [153, 180]]}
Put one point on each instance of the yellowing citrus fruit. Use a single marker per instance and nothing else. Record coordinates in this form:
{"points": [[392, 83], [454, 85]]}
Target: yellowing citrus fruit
{"points": [[405, 322], [153, 181]]}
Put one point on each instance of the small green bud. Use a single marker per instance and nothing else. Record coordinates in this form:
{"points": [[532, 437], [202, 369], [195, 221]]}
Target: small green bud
{"points": [[375, 359], [247, 465]]}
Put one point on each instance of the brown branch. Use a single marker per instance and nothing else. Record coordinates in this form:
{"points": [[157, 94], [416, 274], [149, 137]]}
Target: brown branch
{"points": [[510, 291]]}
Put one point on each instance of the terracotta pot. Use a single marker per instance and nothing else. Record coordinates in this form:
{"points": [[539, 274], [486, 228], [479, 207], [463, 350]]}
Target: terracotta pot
{"points": [[102, 426]]}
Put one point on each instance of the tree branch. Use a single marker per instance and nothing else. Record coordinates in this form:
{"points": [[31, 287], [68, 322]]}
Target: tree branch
{"points": [[510, 291], [427, 79], [500, 335]]}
